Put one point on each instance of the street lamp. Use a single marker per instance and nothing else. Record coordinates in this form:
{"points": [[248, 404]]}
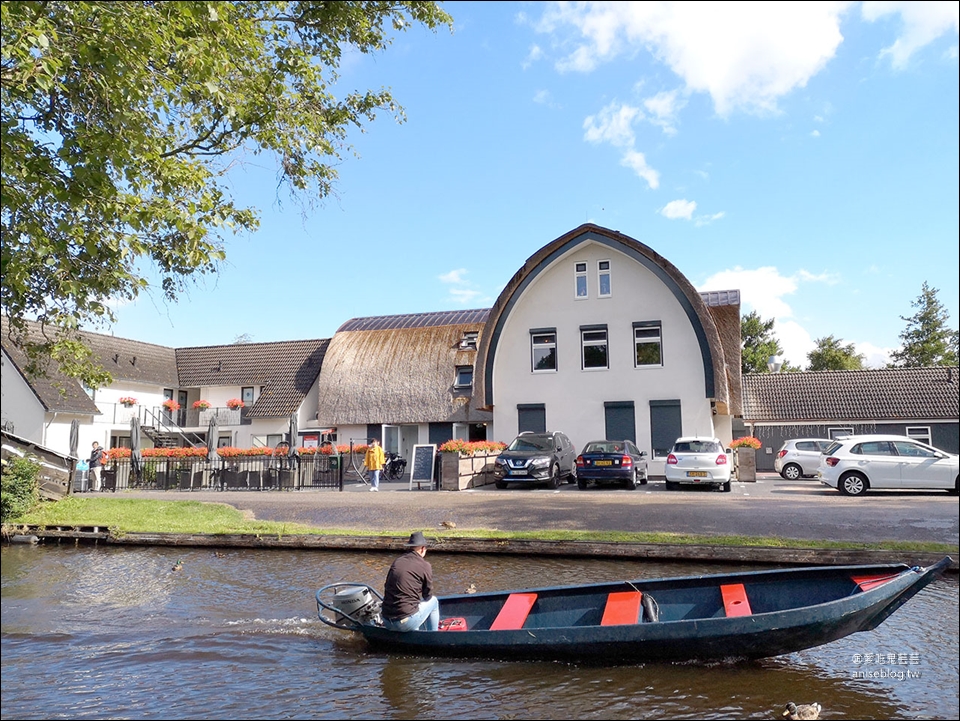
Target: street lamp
{"points": [[775, 363]]}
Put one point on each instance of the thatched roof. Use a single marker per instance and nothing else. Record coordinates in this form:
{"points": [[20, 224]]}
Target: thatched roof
{"points": [[887, 394], [400, 369], [718, 367], [285, 369], [124, 359]]}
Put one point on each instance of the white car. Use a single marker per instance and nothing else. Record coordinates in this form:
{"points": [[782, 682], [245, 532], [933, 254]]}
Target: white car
{"points": [[854, 464], [698, 461], [800, 457]]}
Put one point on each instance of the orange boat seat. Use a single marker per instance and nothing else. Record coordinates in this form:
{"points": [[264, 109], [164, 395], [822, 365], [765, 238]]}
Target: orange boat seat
{"points": [[514, 612], [735, 601], [622, 609], [868, 582]]}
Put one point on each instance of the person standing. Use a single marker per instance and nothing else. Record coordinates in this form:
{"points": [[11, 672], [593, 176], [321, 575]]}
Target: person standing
{"points": [[96, 463], [408, 600], [374, 460]]}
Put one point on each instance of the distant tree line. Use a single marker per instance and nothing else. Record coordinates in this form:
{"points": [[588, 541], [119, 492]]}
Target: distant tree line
{"points": [[927, 340]]}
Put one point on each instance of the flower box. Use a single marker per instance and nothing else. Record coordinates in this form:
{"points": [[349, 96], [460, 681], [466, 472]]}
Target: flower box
{"points": [[235, 404], [201, 405], [171, 405]]}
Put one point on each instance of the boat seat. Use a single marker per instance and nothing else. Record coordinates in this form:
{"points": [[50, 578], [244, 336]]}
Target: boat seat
{"points": [[622, 609], [514, 612], [867, 582], [735, 601]]}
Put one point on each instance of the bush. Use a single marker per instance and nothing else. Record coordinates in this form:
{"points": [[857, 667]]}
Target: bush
{"points": [[20, 489]]}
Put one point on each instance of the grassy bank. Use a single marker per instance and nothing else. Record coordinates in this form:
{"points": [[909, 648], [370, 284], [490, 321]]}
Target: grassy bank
{"points": [[129, 515]]}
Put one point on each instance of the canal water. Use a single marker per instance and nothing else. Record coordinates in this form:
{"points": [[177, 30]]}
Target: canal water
{"points": [[111, 633]]}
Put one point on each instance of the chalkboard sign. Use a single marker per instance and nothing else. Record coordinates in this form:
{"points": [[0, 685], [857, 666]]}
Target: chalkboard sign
{"points": [[421, 470]]}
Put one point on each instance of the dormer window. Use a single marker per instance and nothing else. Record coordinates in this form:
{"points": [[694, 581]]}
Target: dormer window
{"points": [[464, 376], [469, 340]]}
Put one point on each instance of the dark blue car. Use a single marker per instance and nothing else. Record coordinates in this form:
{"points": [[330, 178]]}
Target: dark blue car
{"points": [[619, 462]]}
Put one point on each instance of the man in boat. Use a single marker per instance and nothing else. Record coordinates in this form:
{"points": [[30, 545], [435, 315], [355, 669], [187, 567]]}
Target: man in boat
{"points": [[408, 600]]}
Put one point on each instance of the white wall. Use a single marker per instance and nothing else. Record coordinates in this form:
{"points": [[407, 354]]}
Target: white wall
{"points": [[573, 397], [20, 409]]}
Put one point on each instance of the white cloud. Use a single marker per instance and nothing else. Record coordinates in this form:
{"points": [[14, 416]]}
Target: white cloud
{"points": [[637, 161], [613, 125], [677, 209], [465, 295], [815, 134], [873, 356], [454, 276], [663, 108], [707, 219], [923, 22], [745, 55]]}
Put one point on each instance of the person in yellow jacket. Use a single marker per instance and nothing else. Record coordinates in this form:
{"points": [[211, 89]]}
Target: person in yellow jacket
{"points": [[374, 460]]}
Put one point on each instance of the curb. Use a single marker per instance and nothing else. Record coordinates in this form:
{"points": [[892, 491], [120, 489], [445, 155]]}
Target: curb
{"points": [[573, 549]]}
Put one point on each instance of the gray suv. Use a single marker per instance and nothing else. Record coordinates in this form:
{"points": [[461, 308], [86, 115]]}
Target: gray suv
{"points": [[800, 457], [537, 458]]}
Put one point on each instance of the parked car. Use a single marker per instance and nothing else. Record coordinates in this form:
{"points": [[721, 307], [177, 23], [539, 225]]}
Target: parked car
{"points": [[855, 464], [536, 458], [605, 462], [800, 457], [699, 461]]}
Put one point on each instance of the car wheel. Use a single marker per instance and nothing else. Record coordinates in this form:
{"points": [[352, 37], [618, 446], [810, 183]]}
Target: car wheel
{"points": [[725, 487], [854, 484], [582, 484], [792, 472], [555, 478], [673, 486], [643, 479], [956, 487], [501, 485], [631, 484]]}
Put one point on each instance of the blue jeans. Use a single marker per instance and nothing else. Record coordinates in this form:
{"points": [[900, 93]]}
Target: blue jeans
{"points": [[427, 618], [374, 479]]}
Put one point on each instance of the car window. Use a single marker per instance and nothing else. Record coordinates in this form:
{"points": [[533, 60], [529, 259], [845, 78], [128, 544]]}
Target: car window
{"points": [[874, 448], [697, 447], [531, 443], [632, 449], [807, 446], [912, 449], [823, 446], [833, 448]]}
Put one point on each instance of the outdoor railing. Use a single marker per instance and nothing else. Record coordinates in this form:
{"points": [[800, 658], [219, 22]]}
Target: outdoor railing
{"points": [[256, 473], [116, 413]]}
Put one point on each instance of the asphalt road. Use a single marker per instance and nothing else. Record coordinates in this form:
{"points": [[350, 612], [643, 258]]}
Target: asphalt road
{"points": [[804, 510]]}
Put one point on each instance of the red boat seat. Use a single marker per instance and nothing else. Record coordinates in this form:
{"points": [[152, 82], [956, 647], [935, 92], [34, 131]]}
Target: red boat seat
{"points": [[868, 582], [735, 601], [622, 609], [514, 612], [453, 624]]}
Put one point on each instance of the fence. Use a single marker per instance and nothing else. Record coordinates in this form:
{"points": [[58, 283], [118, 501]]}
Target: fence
{"points": [[255, 473]]}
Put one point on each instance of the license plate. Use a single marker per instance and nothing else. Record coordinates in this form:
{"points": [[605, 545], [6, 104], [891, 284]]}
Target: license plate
{"points": [[518, 473], [696, 474], [603, 463]]}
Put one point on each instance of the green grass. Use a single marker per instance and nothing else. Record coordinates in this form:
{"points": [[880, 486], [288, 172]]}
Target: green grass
{"points": [[131, 515]]}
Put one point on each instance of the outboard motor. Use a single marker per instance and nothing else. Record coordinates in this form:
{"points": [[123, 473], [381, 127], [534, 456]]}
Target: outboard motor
{"points": [[356, 604]]}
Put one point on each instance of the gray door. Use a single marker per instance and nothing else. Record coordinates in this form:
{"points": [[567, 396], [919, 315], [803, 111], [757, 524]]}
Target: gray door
{"points": [[620, 421], [531, 417], [665, 426]]}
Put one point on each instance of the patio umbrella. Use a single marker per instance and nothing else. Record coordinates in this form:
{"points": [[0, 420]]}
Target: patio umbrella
{"points": [[294, 432], [136, 458], [74, 438], [213, 431]]}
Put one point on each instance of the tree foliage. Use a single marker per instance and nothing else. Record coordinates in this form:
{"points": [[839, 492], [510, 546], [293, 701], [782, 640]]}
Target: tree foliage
{"points": [[120, 121], [831, 355], [927, 339], [758, 343]]}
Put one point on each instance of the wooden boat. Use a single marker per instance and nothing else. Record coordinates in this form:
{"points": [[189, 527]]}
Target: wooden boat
{"points": [[725, 616]]}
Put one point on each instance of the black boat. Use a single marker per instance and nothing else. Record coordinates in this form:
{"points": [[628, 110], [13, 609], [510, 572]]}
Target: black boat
{"points": [[746, 615]]}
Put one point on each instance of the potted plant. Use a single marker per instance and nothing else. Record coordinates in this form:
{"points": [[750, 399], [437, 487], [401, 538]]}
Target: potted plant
{"points": [[201, 405], [171, 405], [128, 401], [235, 404], [746, 450]]}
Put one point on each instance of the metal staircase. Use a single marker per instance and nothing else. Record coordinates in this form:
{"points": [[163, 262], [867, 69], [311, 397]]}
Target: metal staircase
{"points": [[167, 435]]}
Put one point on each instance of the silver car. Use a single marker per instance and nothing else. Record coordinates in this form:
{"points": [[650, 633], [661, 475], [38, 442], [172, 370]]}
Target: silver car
{"points": [[854, 464], [800, 457]]}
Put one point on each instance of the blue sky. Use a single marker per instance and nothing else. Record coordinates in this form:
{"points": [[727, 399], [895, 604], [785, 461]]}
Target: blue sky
{"points": [[806, 154]]}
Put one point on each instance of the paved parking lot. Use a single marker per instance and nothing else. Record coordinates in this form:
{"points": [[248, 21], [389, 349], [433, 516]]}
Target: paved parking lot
{"points": [[770, 507]]}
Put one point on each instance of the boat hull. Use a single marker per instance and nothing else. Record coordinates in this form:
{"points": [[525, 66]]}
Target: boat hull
{"points": [[792, 610]]}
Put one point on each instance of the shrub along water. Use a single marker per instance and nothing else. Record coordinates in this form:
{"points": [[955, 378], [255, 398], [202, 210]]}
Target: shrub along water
{"points": [[20, 489]]}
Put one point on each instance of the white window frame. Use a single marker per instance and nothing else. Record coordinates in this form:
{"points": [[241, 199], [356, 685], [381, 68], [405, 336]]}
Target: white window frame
{"points": [[647, 325], [534, 346], [469, 340], [601, 272], [591, 342], [580, 273], [252, 394], [919, 433], [835, 431]]}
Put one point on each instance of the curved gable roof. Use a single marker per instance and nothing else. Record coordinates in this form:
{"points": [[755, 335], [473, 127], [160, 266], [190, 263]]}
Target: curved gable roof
{"points": [[708, 337]]}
